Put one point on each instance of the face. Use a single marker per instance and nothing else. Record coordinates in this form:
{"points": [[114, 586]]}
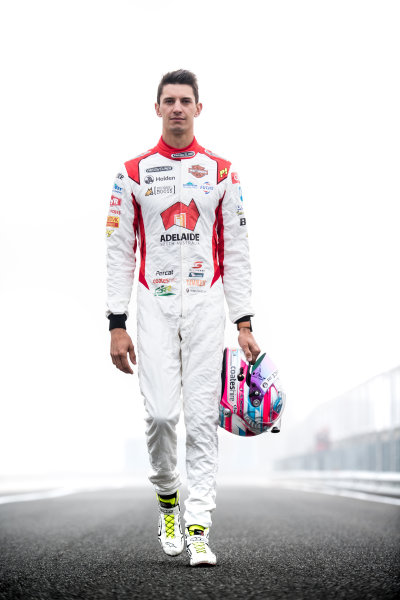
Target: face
{"points": [[178, 108]]}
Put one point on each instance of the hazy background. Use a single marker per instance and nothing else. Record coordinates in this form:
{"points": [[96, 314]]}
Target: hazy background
{"points": [[303, 96]]}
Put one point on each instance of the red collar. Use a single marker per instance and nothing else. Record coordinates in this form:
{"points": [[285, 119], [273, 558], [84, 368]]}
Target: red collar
{"points": [[178, 153]]}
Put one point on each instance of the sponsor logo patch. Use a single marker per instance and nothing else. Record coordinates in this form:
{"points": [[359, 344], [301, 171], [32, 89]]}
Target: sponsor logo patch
{"points": [[195, 290], [183, 154], [112, 222], [197, 270], [117, 189], [165, 189], [196, 274], [120, 176], [109, 232], [239, 210], [180, 238], [114, 211], [232, 385], [190, 185], [115, 201], [158, 169], [165, 178], [149, 179], [195, 282], [164, 290], [163, 280], [243, 221], [223, 172], [207, 187], [198, 171], [235, 178], [161, 189], [181, 215]]}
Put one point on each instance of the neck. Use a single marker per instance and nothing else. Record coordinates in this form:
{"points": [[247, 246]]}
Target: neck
{"points": [[178, 140]]}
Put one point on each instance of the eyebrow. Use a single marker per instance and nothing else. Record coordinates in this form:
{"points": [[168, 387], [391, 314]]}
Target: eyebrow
{"points": [[173, 98]]}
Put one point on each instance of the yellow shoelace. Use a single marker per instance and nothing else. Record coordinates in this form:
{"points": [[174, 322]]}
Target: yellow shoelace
{"points": [[170, 525], [199, 547]]}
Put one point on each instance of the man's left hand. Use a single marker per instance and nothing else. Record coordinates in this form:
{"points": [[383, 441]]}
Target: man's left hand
{"points": [[249, 345]]}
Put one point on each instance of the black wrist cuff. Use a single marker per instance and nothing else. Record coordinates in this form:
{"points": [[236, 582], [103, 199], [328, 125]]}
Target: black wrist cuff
{"points": [[117, 321], [243, 319]]}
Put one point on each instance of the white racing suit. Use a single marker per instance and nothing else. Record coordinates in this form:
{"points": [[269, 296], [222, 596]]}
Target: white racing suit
{"points": [[185, 208]]}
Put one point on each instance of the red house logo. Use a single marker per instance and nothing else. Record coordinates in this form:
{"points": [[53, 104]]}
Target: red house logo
{"points": [[181, 215]]}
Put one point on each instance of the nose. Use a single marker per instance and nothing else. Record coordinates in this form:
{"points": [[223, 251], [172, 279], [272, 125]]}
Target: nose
{"points": [[177, 106]]}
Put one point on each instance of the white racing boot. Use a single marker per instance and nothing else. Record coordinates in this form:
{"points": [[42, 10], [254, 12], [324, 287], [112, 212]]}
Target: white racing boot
{"points": [[197, 546], [170, 533]]}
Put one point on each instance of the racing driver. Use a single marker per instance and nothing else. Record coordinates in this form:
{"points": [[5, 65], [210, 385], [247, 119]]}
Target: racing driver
{"points": [[184, 206]]}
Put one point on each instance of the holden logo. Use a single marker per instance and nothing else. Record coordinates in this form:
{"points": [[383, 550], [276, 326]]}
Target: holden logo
{"points": [[149, 179], [198, 171]]}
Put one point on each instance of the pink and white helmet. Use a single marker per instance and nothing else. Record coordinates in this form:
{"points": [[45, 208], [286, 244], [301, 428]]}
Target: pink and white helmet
{"points": [[252, 399]]}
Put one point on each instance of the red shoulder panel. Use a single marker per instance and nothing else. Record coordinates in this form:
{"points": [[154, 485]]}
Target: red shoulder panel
{"points": [[223, 165], [132, 166]]}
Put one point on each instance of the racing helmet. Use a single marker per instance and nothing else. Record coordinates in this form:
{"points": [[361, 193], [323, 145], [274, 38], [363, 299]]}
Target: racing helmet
{"points": [[252, 398]]}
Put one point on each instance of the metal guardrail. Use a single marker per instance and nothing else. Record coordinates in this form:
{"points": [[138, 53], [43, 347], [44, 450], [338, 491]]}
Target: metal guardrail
{"points": [[382, 483], [376, 451]]}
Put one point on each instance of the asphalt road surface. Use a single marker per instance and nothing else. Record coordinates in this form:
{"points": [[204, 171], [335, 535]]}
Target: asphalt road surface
{"points": [[270, 543]]}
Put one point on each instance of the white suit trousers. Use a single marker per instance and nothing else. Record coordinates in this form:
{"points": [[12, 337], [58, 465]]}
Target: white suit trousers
{"points": [[180, 349]]}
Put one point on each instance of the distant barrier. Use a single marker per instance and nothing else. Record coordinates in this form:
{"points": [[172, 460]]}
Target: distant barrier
{"points": [[377, 451], [385, 484]]}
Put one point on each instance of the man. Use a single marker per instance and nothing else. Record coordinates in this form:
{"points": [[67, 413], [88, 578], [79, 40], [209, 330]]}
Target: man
{"points": [[184, 204]]}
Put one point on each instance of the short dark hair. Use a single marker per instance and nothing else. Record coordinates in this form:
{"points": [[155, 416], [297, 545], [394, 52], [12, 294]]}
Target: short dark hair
{"points": [[180, 76]]}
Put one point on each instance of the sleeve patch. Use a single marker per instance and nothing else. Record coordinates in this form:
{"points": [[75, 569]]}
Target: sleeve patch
{"points": [[235, 178], [112, 221]]}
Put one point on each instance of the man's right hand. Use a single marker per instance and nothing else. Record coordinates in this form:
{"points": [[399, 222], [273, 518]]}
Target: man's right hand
{"points": [[121, 345]]}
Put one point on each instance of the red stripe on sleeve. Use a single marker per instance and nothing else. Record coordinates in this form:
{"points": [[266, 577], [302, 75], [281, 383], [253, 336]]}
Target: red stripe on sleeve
{"points": [[138, 224], [218, 243], [135, 222]]}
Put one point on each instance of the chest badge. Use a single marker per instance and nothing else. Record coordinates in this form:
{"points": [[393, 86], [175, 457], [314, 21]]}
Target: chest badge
{"points": [[181, 215], [198, 171]]}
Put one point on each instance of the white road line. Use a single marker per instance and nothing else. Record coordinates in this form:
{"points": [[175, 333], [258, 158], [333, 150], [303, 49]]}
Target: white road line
{"points": [[303, 487], [72, 487], [55, 493], [38, 495]]}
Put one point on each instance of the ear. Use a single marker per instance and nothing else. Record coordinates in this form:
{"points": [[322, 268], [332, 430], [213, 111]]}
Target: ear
{"points": [[157, 107], [199, 108]]}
